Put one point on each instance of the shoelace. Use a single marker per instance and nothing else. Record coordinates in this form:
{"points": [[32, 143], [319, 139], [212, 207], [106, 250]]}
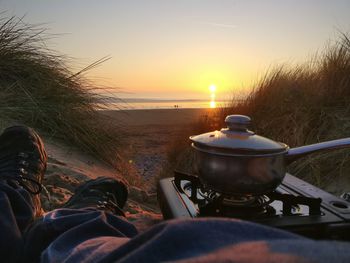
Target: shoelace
{"points": [[109, 203], [15, 168], [22, 180]]}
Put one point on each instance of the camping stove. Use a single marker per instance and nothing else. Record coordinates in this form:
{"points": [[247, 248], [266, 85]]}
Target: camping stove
{"points": [[295, 205]]}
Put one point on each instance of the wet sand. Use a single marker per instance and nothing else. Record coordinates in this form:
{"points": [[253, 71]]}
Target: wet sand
{"points": [[167, 117]]}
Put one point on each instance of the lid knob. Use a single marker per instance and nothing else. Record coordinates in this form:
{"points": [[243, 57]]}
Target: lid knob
{"points": [[237, 122]]}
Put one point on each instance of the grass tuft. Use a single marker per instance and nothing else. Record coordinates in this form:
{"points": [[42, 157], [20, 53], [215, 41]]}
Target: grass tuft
{"points": [[38, 89]]}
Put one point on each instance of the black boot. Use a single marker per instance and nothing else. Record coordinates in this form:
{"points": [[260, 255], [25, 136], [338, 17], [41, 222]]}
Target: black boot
{"points": [[23, 161], [103, 193]]}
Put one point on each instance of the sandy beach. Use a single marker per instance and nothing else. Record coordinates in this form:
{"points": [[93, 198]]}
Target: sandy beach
{"points": [[146, 136]]}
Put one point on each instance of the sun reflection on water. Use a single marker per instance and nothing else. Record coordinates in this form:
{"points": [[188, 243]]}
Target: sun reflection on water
{"points": [[212, 103]]}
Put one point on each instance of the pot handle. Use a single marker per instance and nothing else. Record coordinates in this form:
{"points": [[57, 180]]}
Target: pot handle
{"points": [[298, 152]]}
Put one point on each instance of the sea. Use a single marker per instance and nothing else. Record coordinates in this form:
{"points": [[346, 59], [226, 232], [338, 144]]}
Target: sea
{"points": [[142, 103]]}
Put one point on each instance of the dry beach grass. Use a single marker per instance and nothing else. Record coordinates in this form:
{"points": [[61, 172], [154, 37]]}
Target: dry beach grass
{"points": [[299, 105], [38, 89]]}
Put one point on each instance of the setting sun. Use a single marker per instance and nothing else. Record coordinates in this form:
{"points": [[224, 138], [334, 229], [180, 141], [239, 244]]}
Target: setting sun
{"points": [[212, 88]]}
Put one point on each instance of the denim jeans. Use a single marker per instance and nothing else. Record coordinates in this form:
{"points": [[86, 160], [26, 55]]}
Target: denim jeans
{"points": [[89, 235]]}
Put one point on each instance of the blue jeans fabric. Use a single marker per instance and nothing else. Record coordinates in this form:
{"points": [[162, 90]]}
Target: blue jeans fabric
{"points": [[76, 235]]}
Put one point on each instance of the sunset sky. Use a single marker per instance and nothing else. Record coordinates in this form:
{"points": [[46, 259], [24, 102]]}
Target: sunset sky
{"points": [[178, 49]]}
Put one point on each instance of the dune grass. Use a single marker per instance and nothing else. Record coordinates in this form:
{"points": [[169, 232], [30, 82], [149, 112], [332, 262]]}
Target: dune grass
{"points": [[38, 89], [299, 105]]}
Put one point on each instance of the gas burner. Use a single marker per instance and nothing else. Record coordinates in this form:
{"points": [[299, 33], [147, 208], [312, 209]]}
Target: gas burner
{"points": [[245, 201], [203, 194], [208, 195], [295, 206], [243, 207]]}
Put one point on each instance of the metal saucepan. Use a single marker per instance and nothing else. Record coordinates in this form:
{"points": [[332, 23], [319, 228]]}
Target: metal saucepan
{"points": [[235, 160]]}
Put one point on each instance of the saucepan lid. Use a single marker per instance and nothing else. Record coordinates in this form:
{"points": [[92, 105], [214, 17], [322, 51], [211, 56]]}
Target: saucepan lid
{"points": [[236, 139]]}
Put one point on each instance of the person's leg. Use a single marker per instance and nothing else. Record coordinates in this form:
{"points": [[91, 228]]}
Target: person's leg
{"points": [[22, 165], [224, 240], [16, 214], [103, 237], [90, 217]]}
